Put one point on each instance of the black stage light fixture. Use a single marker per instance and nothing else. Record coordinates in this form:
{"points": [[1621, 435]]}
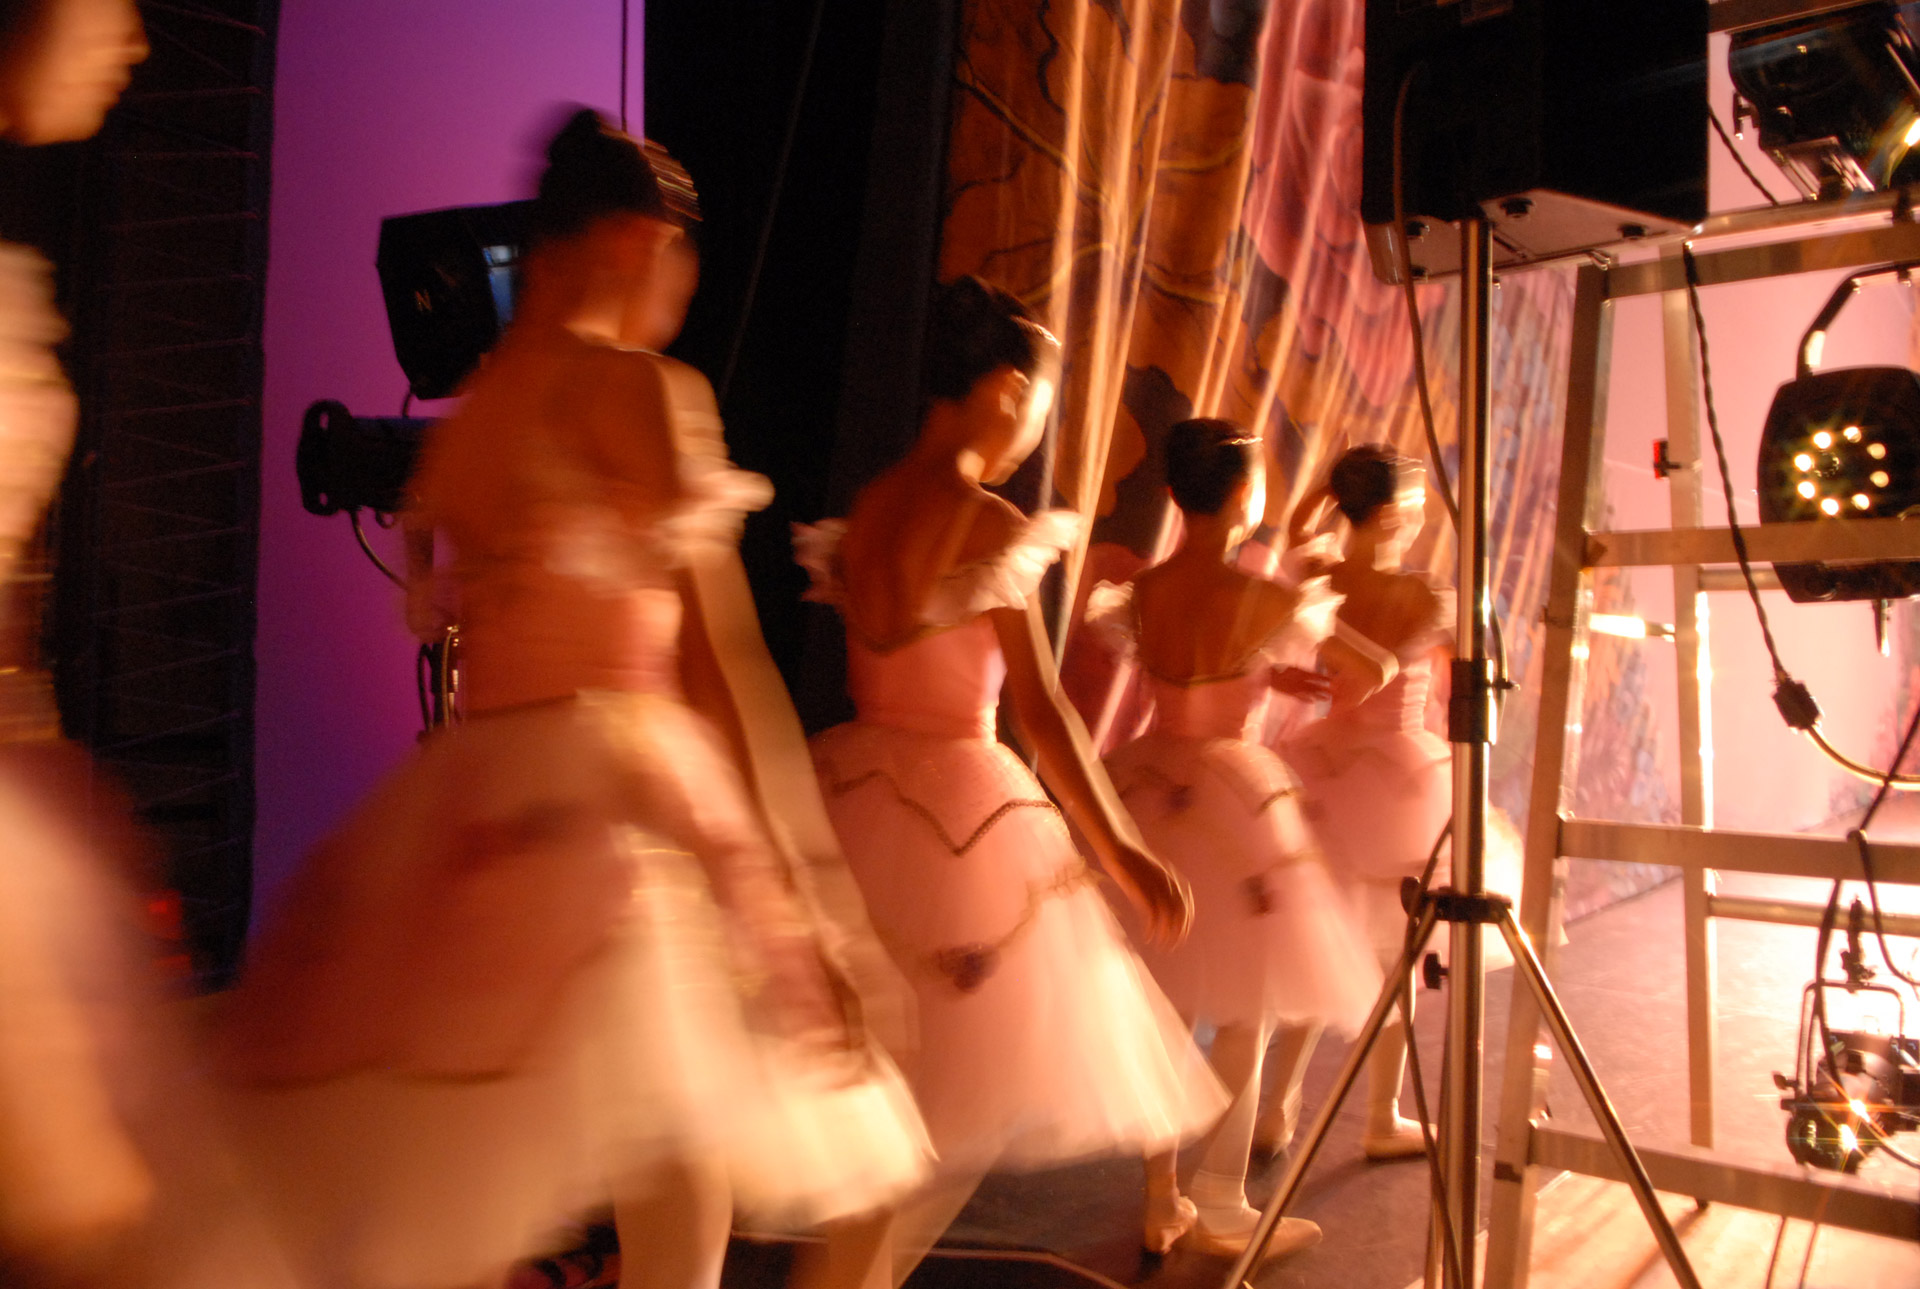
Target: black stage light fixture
{"points": [[348, 462], [1839, 445], [449, 279], [1835, 97], [1569, 125]]}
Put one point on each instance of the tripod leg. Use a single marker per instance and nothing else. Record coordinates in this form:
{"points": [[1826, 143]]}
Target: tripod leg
{"points": [[1527, 966], [1384, 1006]]}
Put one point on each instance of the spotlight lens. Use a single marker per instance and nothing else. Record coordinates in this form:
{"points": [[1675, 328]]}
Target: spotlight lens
{"points": [[1851, 434], [1803, 462], [1830, 505], [1881, 478], [1807, 489], [1824, 439], [1878, 451], [1860, 501]]}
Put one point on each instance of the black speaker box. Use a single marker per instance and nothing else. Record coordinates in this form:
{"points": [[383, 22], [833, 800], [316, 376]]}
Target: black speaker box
{"points": [[1570, 124]]}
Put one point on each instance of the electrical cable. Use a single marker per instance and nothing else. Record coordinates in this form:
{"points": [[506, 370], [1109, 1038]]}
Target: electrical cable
{"points": [[773, 203], [1739, 160], [1773, 1259], [1403, 255], [626, 23], [360, 535]]}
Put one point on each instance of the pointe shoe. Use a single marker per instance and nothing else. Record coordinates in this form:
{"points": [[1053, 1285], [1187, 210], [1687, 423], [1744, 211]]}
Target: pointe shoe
{"points": [[1168, 1220], [1234, 1231], [1403, 1140]]}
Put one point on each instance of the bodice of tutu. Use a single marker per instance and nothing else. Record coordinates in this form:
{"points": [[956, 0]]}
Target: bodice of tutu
{"points": [[1400, 705], [1232, 705], [947, 680], [36, 404], [559, 586]]}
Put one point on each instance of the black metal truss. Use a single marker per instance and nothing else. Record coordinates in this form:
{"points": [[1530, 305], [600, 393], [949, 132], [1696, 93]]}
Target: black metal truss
{"points": [[159, 523]]}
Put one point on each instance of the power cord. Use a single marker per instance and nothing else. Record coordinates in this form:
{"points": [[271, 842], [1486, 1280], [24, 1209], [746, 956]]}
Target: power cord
{"points": [[1739, 160]]}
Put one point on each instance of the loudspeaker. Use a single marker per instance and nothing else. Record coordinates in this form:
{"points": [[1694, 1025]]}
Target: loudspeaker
{"points": [[449, 277], [1569, 124]]}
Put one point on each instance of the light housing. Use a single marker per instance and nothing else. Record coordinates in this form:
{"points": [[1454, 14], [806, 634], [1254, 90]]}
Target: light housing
{"points": [[1835, 96], [449, 278], [1839, 445]]}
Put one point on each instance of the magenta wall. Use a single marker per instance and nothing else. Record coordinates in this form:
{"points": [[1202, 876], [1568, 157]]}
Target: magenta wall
{"points": [[1765, 776], [381, 107]]}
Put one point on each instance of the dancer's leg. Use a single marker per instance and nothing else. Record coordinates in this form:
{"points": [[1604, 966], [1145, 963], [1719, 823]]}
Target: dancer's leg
{"points": [[673, 1220], [856, 1254], [1289, 1054], [1219, 1189], [1169, 1215], [1387, 1134]]}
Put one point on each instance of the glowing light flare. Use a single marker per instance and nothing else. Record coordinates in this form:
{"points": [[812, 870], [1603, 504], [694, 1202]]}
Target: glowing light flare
{"points": [[1878, 451], [1880, 478], [1860, 501], [1851, 434], [1849, 1140], [1618, 624], [1803, 462], [1829, 505], [1858, 1107], [1823, 440], [1807, 489], [1542, 1052], [1912, 136]]}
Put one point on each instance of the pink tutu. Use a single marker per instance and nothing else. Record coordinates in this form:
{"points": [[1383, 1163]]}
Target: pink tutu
{"points": [[450, 1053], [1042, 1039], [1272, 937]]}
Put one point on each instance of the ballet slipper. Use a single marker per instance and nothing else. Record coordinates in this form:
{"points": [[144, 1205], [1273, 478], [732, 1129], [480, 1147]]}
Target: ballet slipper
{"points": [[1401, 1139], [1226, 1222], [1170, 1216]]}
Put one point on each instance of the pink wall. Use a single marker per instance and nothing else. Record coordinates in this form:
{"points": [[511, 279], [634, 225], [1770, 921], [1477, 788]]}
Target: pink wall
{"points": [[1764, 775], [380, 108]]}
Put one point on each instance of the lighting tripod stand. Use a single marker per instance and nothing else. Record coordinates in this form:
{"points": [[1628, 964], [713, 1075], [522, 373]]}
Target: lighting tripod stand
{"points": [[1467, 905]]}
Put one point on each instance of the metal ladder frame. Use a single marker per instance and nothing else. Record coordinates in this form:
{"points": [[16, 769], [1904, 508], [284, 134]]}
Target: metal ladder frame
{"points": [[1857, 232]]}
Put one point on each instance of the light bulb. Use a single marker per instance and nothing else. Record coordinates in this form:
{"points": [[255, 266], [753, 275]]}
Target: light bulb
{"points": [[1851, 434], [1860, 501], [1830, 505], [1807, 489], [1803, 462], [1823, 440], [1881, 478]]}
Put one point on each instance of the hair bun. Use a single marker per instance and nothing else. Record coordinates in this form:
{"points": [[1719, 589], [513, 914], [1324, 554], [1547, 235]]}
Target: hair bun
{"points": [[576, 139], [594, 169]]}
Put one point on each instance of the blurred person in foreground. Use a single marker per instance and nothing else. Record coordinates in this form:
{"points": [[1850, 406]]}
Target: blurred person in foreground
{"points": [[594, 941], [112, 1170]]}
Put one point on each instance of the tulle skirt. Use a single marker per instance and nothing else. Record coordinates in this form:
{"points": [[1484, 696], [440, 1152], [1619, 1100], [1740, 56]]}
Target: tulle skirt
{"points": [[1378, 800], [446, 1057], [1041, 1036], [1273, 940]]}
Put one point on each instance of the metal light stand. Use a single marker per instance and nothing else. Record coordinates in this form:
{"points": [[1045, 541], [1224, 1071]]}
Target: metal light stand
{"points": [[1467, 905]]}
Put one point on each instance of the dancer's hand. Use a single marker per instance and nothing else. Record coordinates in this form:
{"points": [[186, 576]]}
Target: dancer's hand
{"points": [[1160, 894]]}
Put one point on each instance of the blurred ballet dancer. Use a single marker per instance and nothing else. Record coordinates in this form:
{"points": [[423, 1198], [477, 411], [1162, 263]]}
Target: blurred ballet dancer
{"points": [[1272, 944], [560, 953], [1041, 1037], [1378, 782]]}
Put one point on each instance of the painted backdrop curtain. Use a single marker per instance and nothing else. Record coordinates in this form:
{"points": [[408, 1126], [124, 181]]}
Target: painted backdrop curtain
{"points": [[1173, 186]]}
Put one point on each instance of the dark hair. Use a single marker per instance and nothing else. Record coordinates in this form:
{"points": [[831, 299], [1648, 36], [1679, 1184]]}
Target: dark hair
{"points": [[976, 329], [1206, 460], [594, 170], [1366, 478]]}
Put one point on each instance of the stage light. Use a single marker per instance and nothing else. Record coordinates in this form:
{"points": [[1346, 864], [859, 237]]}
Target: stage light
{"points": [[1835, 97], [449, 277], [351, 463], [1844, 443]]}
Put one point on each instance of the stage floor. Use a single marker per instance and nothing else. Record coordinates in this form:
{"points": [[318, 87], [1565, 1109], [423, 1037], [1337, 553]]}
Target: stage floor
{"points": [[1620, 976]]}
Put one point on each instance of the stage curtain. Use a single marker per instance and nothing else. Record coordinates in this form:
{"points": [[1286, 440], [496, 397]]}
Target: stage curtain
{"points": [[1174, 188]]}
